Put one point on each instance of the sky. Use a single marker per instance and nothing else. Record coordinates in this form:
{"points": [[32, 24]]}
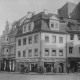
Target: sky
{"points": [[11, 10]]}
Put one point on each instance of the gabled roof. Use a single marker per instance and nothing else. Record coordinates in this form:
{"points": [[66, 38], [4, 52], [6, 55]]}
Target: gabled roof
{"points": [[76, 12], [66, 9]]}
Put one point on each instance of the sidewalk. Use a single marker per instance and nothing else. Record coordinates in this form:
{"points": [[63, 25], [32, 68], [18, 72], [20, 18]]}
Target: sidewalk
{"points": [[34, 73]]}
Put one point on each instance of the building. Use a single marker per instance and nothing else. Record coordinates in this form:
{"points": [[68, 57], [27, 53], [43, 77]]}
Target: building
{"points": [[73, 33], [8, 48], [41, 41]]}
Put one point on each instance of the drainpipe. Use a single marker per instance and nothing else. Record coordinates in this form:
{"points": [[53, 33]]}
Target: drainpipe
{"points": [[66, 53], [40, 48]]}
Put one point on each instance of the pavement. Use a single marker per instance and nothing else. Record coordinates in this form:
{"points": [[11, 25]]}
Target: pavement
{"points": [[34, 73], [19, 76]]}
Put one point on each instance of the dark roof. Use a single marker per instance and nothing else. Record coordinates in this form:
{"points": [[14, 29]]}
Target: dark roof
{"points": [[65, 10], [76, 12]]}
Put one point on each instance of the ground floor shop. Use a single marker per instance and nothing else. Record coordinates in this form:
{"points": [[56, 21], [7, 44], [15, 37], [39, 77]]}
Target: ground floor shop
{"points": [[55, 65], [31, 64], [48, 65], [7, 65], [74, 63]]}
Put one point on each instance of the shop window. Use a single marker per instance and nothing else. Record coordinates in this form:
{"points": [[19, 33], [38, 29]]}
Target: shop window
{"points": [[60, 52], [24, 41], [78, 37], [36, 38], [46, 38], [19, 53], [70, 50], [53, 52], [30, 40], [24, 53], [19, 42], [35, 52], [29, 53], [60, 39], [54, 39], [71, 36], [46, 52]]}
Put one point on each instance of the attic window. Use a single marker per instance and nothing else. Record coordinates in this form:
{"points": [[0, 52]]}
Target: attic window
{"points": [[54, 25], [24, 28]]}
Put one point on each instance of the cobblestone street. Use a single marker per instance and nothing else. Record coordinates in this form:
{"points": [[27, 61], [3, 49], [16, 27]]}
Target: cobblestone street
{"points": [[17, 76]]}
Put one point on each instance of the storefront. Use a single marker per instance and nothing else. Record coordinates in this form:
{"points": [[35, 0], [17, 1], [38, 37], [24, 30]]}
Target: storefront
{"points": [[74, 63], [55, 65], [7, 65], [31, 64]]}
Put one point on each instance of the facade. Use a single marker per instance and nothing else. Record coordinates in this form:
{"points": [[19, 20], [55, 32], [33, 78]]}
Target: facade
{"points": [[50, 41], [8, 48], [42, 42]]}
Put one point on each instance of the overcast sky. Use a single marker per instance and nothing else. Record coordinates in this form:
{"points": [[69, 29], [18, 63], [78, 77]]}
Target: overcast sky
{"points": [[15, 9]]}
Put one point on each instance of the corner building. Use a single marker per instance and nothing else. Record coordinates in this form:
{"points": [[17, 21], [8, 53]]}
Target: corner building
{"points": [[41, 41]]}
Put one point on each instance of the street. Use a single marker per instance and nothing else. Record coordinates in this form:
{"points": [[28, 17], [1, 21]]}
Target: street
{"points": [[17, 76]]}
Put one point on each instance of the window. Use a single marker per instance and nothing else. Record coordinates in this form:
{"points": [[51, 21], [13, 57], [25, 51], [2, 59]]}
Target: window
{"points": [[29, 53], [24, 28], [7, 50], [30, 40], [7, 39], [46, 52], [70, 49], [19, 42], [54, 39], [60, 52], [52, 24], [29, 27], [35, 52], [24, 41], [56, 24], [78, 37], [19, 54], [71, 36], [36, 39], [60, 39], [24, 53], [53, 52], [46, 38]]}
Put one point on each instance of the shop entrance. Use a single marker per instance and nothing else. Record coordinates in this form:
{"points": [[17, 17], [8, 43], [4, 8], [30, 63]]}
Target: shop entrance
{"points": [[61, 67], [49, 66], [33, 67]]}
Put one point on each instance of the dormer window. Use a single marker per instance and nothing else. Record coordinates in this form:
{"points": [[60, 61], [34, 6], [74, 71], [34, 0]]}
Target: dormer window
{"points": [[54, 25], [29, 27], [24, 28]]}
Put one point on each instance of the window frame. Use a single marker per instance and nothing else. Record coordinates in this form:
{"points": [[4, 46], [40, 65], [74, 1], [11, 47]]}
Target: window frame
{"points": [[60, 39], [70, 50], [30, 53], [30, 39], [19, 53], [19, 42], [46, 40], [53, 52], [61, 50], [24, 52], [46, 52], [24, 41], [36, 38], [53, 39], [36, 49]]}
